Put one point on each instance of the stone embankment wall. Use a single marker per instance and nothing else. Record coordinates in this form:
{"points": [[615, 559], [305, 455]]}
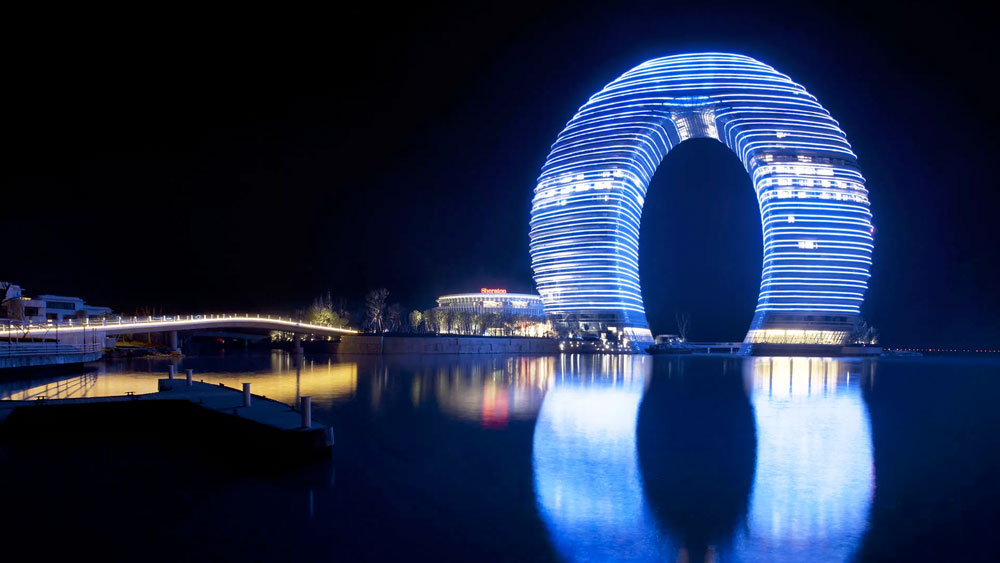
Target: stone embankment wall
{"points": [[372, 344], [16, 363]]}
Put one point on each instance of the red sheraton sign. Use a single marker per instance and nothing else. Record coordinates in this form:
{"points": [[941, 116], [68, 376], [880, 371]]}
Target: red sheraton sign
{"points": [[492, 290]]}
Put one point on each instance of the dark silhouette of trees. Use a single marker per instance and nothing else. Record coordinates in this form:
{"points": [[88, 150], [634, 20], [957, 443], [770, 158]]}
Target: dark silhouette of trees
{"points": [[394, 318], [375, 310], [683, 324]]}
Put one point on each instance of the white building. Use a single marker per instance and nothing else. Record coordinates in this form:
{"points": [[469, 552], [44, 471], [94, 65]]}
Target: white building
{"points": [[47, 307], [494, 312], [493, 301]]}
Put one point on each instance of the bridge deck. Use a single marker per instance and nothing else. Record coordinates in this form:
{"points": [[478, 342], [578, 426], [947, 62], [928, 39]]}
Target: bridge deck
{"points": [[167, 324]]}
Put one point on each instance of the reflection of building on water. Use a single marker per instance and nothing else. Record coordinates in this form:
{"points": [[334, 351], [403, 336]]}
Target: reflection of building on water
{"points": [[697, 451], [487, 390], [96, 382], [784, 474], [587, 482], [53, 388], [787, 376], [324, 380], [814, 477], [492, 390], [285, 381]]}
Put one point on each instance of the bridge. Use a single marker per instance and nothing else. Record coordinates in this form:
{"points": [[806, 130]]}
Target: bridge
{"points": [[87, 333], [713, 347]]}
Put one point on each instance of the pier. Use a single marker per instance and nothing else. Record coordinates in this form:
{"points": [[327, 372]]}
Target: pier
{"points": [[251, 429]]}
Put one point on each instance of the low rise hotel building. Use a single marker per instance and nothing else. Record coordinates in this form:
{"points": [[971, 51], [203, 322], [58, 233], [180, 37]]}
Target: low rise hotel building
{"points": [[494, 312]]}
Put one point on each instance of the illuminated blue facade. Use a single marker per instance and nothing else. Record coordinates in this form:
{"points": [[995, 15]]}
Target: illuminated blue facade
{"points": [[814, 207]]}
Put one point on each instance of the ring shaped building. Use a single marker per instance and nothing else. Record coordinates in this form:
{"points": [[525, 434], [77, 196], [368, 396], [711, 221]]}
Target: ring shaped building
{"points": [[814, 207]]}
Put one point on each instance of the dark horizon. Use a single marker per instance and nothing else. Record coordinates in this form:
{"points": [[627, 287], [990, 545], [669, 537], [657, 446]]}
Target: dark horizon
{"points": [[195, 168]]}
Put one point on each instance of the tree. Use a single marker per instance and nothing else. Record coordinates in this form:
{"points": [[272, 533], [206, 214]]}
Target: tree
{"points": [[375, 309], [326, 311], [394, 318], [320, 312], [572, 324], [338, 321], [479, 323], [683, 323], [149, 312], [491, 321], [463, 322], [523, 322], [341, 314], [441, 320], [864, 333], [508, 321], [416, 317]]}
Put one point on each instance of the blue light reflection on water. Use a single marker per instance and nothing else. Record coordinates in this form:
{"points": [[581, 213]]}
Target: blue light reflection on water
{"points": [[812, 485], [587, 482], [814, 478], [461, 458]]}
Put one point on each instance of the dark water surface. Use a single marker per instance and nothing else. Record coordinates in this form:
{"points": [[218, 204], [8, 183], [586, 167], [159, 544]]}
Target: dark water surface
{"points": [[539, 458]]}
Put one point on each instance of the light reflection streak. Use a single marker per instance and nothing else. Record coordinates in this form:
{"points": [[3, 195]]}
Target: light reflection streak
{"points": [[588, 487], [325, 380], [55, 388], [491, 392], [285, 381], [814, 479], [812, 484]]}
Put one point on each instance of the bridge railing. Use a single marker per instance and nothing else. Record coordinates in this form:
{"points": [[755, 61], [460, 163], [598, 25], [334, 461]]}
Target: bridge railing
{"points": [[10, 349], [14, 327]]}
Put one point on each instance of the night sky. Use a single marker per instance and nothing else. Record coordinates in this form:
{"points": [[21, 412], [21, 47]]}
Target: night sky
{"points": [[200, 162]]}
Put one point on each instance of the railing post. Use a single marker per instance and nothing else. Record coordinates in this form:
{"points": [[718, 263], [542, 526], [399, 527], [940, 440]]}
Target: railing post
{"points": [[246, 394], [307, 411], [190, 377], [170, 373]]}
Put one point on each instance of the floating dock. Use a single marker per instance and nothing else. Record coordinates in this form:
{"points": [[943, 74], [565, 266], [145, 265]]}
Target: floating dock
{"points": [[231, 424]]}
